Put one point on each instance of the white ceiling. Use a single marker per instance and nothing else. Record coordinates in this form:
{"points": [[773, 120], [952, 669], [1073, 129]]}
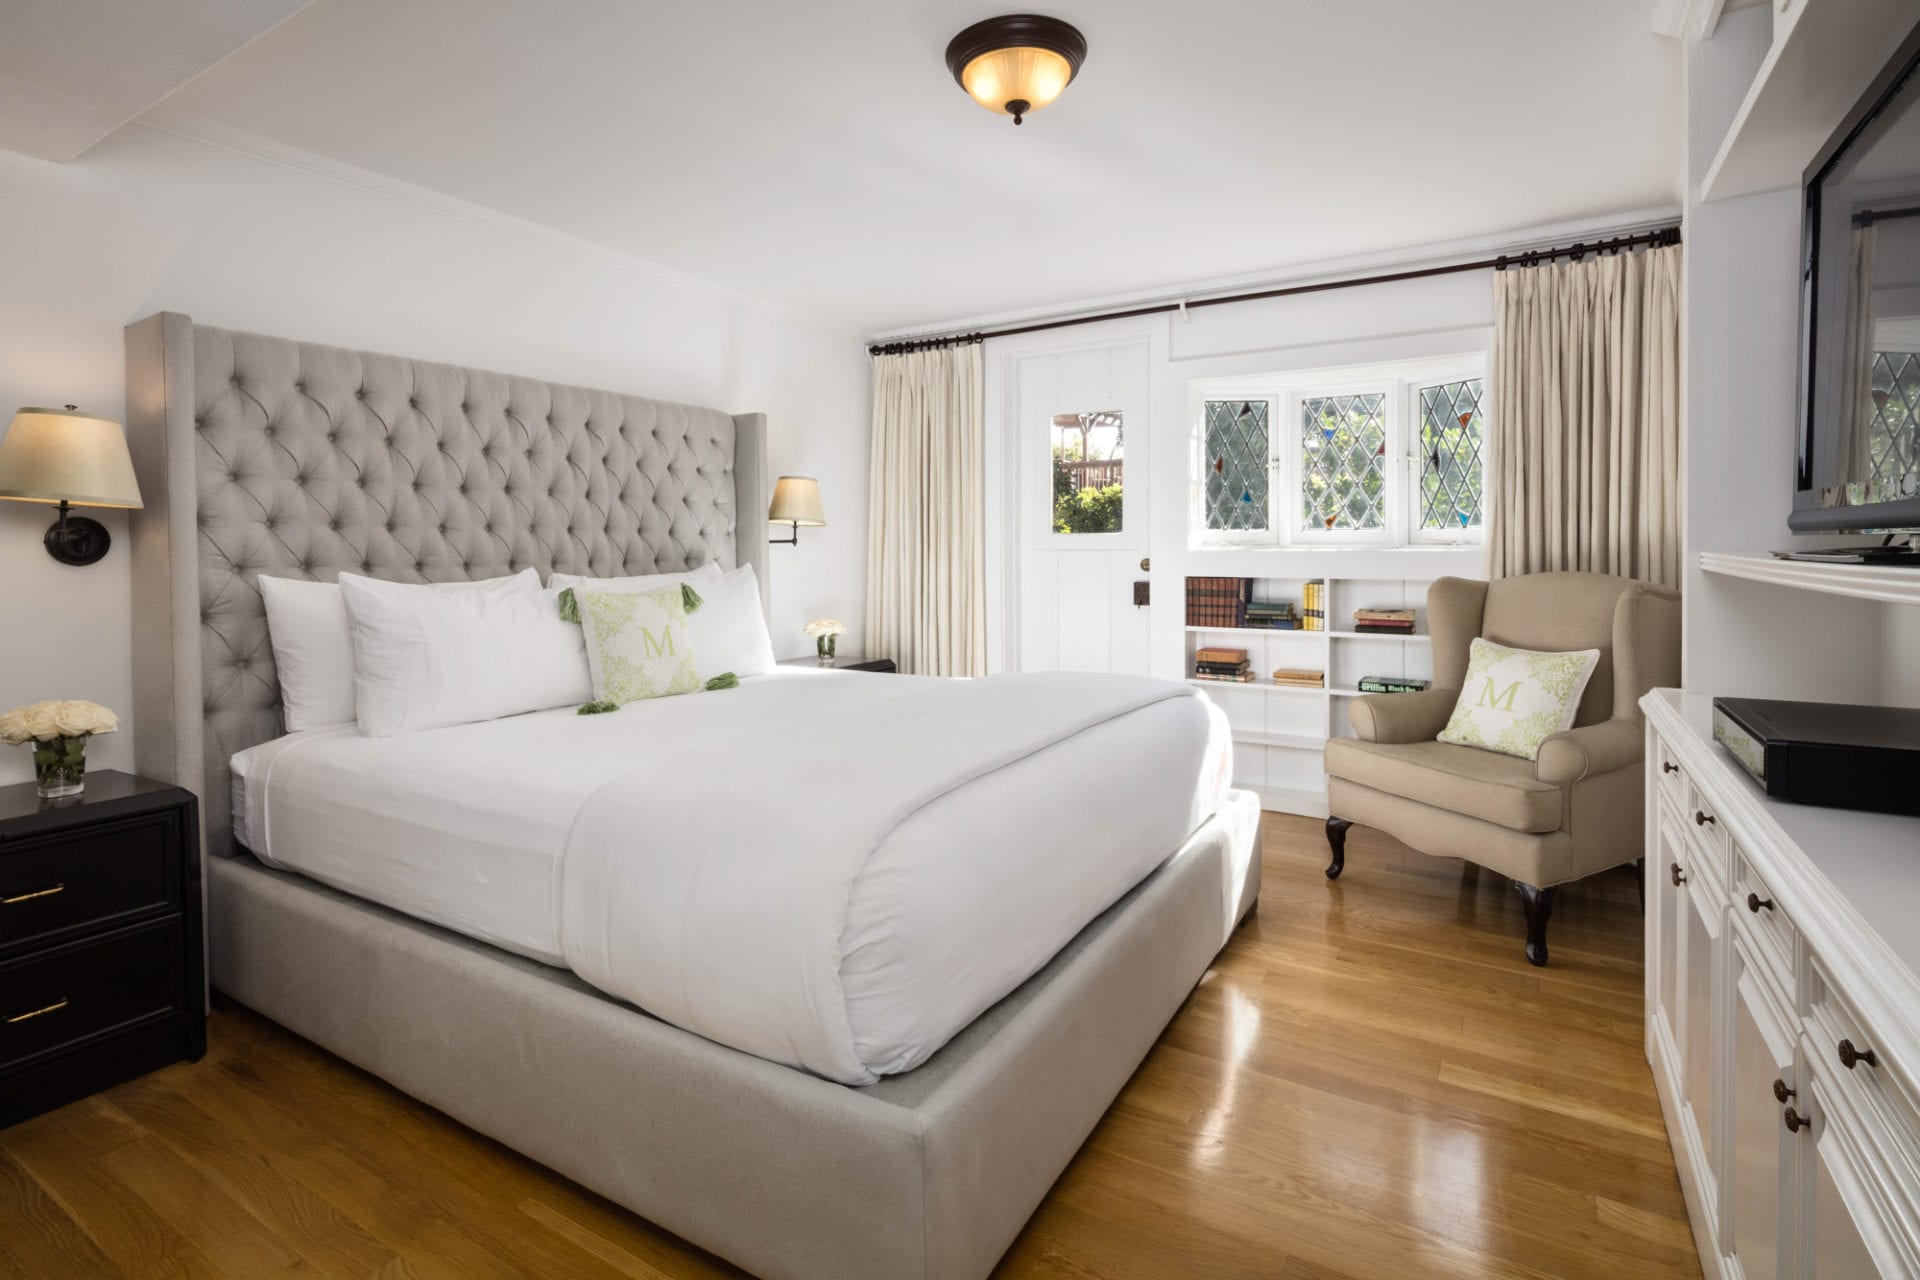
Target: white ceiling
{"points": [[73, 71], [817, 152]]}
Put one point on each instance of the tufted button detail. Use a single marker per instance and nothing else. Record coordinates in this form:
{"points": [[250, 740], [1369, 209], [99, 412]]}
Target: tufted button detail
{"points": [[360, 394]]}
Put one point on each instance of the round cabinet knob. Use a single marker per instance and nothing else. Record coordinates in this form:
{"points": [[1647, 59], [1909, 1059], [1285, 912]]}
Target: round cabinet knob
{"points": [[1851, 1057], [1701, 818], [1679, 876], [1780, 1091], [1795, 1121], [1668, 766], [1757, 904]]}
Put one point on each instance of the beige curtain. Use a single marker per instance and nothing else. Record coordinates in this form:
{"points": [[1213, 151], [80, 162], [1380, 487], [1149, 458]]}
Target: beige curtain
{"points": [[926, 557], [1853, 462], [1585, 441]]}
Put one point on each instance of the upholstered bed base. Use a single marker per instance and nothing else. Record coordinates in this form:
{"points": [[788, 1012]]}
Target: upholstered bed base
{"points": [[930, 1174]]}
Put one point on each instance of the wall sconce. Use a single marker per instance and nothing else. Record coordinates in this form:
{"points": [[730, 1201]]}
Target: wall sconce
{"points": [[72, 459], [796, 503]]}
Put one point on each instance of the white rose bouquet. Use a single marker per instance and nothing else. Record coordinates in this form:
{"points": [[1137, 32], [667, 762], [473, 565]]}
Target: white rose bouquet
{"points": [[825, 632], [58, 731]]}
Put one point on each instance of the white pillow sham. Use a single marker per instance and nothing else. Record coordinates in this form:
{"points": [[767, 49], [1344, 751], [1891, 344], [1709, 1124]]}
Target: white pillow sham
{"points": [[312, 651], [424, 657], [638, 582]]}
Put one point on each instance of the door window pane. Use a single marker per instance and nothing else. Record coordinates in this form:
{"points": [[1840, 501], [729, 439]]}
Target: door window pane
{"points": [[1450, 435], [1236, 461], [1089, 458], [1343, 462], [1893, 439]]}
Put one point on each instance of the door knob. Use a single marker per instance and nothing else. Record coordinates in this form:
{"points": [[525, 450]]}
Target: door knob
{"points": [[1756, 903], [1851, 1057], [1780, 1092], [1795, 1121], [1701, 818], [1668, 766], [1679, 876]]}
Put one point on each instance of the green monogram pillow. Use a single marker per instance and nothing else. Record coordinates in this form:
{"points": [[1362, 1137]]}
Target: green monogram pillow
{"points": [[1515, 699], [637, 644]]}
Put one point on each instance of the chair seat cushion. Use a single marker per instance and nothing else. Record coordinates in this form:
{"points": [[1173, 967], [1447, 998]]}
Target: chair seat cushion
{"points": [[1481, 784]]}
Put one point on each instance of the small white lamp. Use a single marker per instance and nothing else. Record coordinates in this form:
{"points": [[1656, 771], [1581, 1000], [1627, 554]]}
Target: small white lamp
{"points": [[72, 459], [796, 503]]}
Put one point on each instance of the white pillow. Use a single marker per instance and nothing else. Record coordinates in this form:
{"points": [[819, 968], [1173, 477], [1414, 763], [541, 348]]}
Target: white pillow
{"points": [[639, 582], [425, 657], [1515, 699], [312, 650], [729, 629]]}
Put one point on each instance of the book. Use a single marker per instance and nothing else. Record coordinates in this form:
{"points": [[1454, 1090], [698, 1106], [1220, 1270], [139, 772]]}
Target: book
{"points": [[1391, 684], [1218, 602], [1313, 608], [1214, 654], [1202, 669], [1243, 678], [1384, 628], [1383, 615], [1300, 677]]}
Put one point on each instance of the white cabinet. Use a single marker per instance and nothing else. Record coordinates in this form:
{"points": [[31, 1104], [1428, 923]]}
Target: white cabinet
{"points": [[1782, 1028]]}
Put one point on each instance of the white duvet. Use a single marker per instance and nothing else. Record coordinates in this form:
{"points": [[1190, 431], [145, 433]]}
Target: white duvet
{"points": [[830, 870]]}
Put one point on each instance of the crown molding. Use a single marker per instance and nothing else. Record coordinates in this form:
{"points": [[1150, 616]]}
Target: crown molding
{"points": [[1405, 258], [208, 133]]}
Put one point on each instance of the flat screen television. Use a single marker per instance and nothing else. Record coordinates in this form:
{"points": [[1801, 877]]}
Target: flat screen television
{"points": [[1858, 465]]}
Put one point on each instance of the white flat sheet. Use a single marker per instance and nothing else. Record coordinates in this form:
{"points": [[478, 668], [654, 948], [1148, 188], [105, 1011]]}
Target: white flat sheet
{"points": [[963, 898]]}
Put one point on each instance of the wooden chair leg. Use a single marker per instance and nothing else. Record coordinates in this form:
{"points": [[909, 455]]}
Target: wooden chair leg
{"points": [[1539, 904], [1337, 841]]}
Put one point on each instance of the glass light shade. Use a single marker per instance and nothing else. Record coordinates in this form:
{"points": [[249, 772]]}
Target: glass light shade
{"points": [[63, 455], [1022, 74], [796, 501]]}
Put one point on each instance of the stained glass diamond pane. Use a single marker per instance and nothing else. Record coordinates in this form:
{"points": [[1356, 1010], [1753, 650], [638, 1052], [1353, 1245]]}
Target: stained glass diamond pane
{"points": [[1893, 438], [1450, 471], [1343, 441], [1236, 463]]}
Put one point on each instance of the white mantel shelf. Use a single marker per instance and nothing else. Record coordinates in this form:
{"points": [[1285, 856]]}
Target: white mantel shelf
{"points": [[1868, 582]]}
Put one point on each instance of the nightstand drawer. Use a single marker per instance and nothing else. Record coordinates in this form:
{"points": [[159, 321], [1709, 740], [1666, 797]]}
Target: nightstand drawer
{"points": [[57, 999], [94, 875]]}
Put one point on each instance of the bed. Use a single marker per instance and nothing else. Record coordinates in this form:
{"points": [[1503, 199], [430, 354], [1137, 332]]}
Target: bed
{"points": [[915, 1134]]}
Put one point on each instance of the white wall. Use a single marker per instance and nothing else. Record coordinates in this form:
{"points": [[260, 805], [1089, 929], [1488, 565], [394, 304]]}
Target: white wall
{"points": [[152, 221], [1442, 315]]}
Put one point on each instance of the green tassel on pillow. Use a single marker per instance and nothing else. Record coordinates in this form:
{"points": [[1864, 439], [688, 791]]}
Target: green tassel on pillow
{"points": [[689, 598], [597, 708], [725, 680], [569, 607]]}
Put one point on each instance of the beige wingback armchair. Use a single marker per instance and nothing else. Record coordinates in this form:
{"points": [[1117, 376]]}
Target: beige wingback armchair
{"points": [[1574, 811]]}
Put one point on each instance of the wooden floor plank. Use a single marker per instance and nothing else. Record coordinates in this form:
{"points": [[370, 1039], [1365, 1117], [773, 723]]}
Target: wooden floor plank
{"points": [[1370, 1082]]}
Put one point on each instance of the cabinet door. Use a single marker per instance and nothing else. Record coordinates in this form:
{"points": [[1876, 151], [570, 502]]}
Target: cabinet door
{"points": [[1758, 1202], [1702, 922], [1668, 924], [1844, 1236]]}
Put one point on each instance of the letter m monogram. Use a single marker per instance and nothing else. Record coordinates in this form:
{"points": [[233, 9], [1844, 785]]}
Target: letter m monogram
{"points": [[1497, 699], [661, 645]]}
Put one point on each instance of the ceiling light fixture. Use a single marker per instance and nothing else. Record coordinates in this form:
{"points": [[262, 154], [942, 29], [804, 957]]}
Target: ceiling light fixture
{"points": [[1017, 63]]}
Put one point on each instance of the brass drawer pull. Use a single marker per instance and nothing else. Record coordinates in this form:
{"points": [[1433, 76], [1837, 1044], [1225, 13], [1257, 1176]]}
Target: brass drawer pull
{"points": [[29, 897], [1755, 903], [1701, 818], [30, 1014], [1851, 1057], [1780, 1092], [1668, 766], [1795, 1121], [1679, 876]]}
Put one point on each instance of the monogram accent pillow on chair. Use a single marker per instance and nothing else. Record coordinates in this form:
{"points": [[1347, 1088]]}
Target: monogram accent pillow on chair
{"points": [[1515, 699], [637, 645]]}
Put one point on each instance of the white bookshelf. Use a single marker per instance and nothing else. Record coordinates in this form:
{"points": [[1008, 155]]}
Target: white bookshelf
{"points": [[1280, 732]]}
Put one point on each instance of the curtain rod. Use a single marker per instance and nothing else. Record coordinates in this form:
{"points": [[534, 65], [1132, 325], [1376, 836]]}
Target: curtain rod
{"points": [[1660, 237], [1867, 217]]}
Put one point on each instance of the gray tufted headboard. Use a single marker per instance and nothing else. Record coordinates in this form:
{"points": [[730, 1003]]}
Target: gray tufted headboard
{"points": [[258, 455]]}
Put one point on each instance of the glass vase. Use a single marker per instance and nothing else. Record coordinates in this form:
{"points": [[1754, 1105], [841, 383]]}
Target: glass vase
{"points": [[825, 646], [60, 766]]}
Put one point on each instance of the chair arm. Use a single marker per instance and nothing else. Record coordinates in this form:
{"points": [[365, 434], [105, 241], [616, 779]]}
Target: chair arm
{"points": [[1595, 748], [1402, 717]]}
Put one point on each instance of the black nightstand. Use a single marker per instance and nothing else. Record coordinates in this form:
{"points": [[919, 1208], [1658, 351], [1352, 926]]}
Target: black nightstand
{"points": [[102, 973], [843, 664]]}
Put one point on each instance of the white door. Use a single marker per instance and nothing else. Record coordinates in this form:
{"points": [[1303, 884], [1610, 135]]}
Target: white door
{"points": [[1078, 445], [1762, 1090]]}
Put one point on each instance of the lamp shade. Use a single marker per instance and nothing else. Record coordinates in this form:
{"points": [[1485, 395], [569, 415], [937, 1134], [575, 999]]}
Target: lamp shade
{"points": [[796, 501], [1017, 63], [63, 455]]}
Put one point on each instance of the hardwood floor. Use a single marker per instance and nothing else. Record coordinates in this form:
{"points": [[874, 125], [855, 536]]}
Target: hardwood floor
{"points": [[1371, 1082]]}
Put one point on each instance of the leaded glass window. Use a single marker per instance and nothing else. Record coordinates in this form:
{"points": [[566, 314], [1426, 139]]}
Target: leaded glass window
{"points": [[1893, 440], [1343, 462], [1237, 467], [1450, 473]]}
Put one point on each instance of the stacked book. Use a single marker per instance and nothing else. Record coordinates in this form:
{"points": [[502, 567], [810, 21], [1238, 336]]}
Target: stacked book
{"points": [[1390, 622], [1277, 614], [1300, 678], [1391, 684], [1230, 665], [1218, 602], [1313, 607]]}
